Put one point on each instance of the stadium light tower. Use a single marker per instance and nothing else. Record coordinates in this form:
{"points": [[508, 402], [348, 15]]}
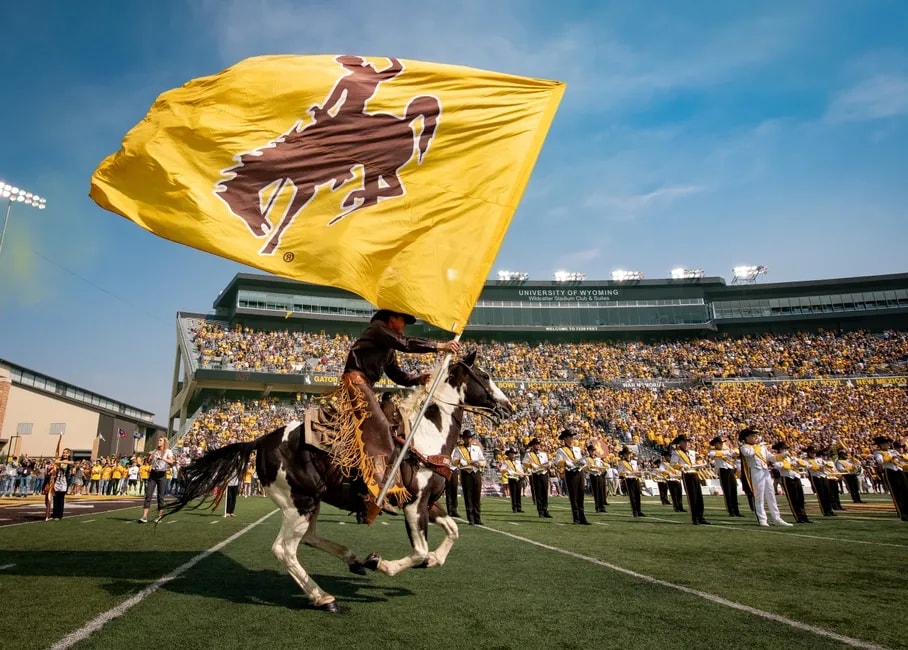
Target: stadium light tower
{"points": [[12, 195], [624, 276], [681, 273], [747, 274]]}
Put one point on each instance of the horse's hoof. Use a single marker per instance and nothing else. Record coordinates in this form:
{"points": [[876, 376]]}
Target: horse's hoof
{"points": [[357, 567], [372, 561], [424, 564], [331, 607]]}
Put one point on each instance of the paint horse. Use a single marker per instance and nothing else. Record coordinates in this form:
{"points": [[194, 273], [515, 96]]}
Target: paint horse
{"points": [[298, 477]]}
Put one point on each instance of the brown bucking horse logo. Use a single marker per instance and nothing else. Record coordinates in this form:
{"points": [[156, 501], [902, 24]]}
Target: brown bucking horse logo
{"points": [[327, 151]]}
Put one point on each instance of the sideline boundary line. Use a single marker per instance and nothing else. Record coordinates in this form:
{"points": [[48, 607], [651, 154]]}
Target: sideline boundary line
{"points": [[101, 620], [718, 600], [761, 531]]}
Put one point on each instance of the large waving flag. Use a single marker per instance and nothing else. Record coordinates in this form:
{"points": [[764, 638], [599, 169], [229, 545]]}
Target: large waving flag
{"points": [[396, 180]]}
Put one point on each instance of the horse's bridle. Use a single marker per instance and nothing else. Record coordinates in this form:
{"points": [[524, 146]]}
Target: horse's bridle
{"points": [[479, 410]]}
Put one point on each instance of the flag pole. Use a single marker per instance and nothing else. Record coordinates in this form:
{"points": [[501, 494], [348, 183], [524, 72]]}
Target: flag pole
{"points": [[389, 479]]}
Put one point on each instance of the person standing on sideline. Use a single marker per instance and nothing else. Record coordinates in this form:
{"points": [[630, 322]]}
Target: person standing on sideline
{"points": [[233, 489], [571, 461], [685, 460], [61, 474], [724, 463], [161, 459], [536, 464], [469, 458], [755, 460]]}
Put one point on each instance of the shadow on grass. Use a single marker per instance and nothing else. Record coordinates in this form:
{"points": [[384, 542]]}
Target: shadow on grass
{"points": [[218, 576]]}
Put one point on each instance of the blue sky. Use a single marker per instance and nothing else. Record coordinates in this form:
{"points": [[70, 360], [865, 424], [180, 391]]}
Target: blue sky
{"points": [[699, 134]]}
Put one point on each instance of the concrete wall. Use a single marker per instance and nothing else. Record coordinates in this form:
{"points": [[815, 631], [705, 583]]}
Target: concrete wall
{"points": [[26, 406]]}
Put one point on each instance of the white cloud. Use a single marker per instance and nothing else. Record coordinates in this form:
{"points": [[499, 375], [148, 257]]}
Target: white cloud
{"points": [[878, 97], [626, 207]]}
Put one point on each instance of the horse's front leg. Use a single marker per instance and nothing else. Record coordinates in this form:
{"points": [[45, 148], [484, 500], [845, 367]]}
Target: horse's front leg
{"points": [[416, 517], [353, 563]]}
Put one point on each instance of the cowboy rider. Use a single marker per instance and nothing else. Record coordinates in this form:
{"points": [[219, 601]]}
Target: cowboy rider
{"points": [[372, 355]]}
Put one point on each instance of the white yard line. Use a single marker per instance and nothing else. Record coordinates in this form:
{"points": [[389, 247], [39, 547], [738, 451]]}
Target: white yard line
{"points": [[103, 619], [6, 566], [763, 531], [718, 600]]}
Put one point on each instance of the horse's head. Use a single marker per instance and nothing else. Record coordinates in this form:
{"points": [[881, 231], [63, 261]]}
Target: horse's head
{"points": [[478, 390]]}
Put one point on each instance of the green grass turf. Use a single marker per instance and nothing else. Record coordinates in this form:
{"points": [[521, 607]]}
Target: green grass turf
{"points": [[846, 575]]}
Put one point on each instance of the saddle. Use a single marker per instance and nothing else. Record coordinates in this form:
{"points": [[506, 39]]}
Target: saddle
{"points": [[324, 429]]}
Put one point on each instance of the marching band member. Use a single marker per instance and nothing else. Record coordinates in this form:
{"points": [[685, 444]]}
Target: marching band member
{"points": [[755, 458], [451, 490], [630, 477], [849, 469], [469, 458], [595, 469], [891, 465], [791, 481], [512, 473], [570, 460], [816, 470], [832, 478], [536, 463], [672, 481], [724, 463], [684, 459]]}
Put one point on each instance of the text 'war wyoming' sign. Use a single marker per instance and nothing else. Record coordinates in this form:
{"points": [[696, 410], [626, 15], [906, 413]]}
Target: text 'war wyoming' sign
{"points": [[396, 180]]}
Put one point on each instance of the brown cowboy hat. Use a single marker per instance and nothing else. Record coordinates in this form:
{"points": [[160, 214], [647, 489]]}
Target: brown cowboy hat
{"points": [[385, 314]]}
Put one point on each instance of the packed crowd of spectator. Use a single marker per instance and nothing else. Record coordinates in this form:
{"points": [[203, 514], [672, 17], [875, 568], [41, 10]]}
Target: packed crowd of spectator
{"points": [[22, 476], [843, 413], [803, 355]]}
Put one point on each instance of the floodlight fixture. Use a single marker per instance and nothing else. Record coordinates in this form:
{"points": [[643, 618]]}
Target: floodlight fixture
{"points": [[747, 273], [569, 276], [14, 194], [681, 273], [513, 276], [624, 276]]}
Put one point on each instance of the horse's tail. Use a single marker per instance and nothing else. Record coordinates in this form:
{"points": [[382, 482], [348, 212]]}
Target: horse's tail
{"points": [[213, 470], [429, 109]]}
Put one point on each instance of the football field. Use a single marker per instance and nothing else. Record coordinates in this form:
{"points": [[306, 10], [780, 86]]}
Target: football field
{"points": [[201, 581]]}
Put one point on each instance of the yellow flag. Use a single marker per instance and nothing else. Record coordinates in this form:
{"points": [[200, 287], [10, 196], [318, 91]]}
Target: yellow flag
{"points": [[395, 180]]}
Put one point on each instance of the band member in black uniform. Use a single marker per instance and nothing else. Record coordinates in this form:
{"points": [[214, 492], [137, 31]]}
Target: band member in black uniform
{"points": [[789, 470], [451, 492], [536, 463], [686, 461], [512, 471], [816, 470], [672, 481], [571, 461], [630, 477], [724, 464], [469, 458], [595, 469], [849, 471], [891, 464]]}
